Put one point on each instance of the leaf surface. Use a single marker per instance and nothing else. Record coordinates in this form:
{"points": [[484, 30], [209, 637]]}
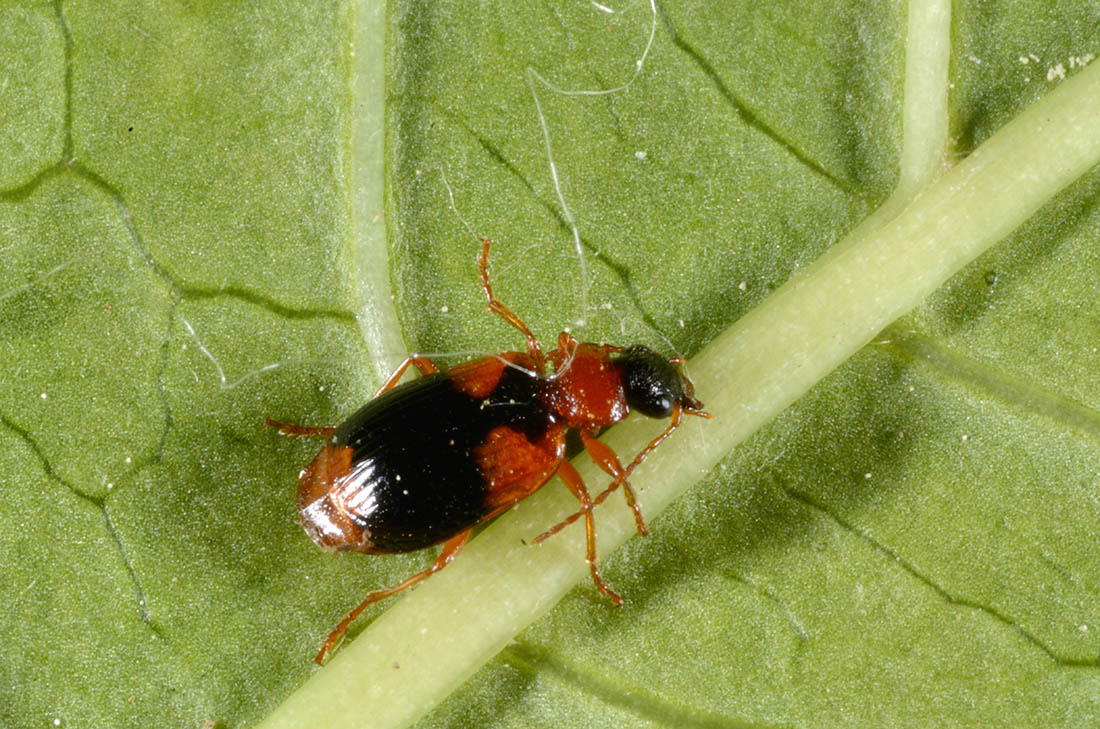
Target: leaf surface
{"points": [[186, 218]]}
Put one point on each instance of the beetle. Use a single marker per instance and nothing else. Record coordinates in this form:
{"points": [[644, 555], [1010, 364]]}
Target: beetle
{"points": [[426, 461]]}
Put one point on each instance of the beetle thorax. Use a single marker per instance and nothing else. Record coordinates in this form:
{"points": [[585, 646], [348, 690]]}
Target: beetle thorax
{"points": [[587, 391]]}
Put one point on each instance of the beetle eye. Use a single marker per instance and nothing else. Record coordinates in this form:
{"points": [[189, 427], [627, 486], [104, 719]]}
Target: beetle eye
{"points": [[651, 384], [649, 403]]}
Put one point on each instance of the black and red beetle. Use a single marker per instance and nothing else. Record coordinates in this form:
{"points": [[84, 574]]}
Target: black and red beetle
{"points": [[427, 461]]}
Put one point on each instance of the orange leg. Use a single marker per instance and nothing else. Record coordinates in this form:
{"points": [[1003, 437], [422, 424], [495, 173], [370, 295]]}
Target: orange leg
{"points": [[562, 357], [298, 431], [575, 484], [567, 348], [425, 365], [619, 480], [605, 458], [450, 548], [533, 347]]}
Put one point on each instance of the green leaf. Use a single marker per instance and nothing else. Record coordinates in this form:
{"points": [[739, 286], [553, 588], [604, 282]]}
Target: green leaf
{"points": [[188, 222]]}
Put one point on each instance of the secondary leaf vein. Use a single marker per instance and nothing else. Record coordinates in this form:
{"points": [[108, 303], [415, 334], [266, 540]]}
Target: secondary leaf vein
{"points": [[623, 273], [618, 693], [98, 503], [897, 559], [745, 113], [981, 376]]}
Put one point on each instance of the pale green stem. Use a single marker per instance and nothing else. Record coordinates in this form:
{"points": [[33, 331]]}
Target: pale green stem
{"points": [[428, 643], [924, 108], [923, 111], [370, 254]]}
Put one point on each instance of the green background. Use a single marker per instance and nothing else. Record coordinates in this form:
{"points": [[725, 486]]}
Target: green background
{"points": [[912, 544]]}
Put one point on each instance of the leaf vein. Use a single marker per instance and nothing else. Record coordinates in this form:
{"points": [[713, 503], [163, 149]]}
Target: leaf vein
{"points": [[619, 693], [981, 376], [99, 504], [746, 114], [897, 559]]}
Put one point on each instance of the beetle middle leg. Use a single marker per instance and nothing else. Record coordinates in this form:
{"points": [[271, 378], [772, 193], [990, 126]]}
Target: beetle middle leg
{"points": [[575, 483], [605, 458], [620, 480], [298, 431], [425, 365], [533, 347], [422, 363], [450, 549]]}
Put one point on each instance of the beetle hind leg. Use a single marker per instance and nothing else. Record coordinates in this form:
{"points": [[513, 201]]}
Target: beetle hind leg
{"points": [[450, 549]]}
